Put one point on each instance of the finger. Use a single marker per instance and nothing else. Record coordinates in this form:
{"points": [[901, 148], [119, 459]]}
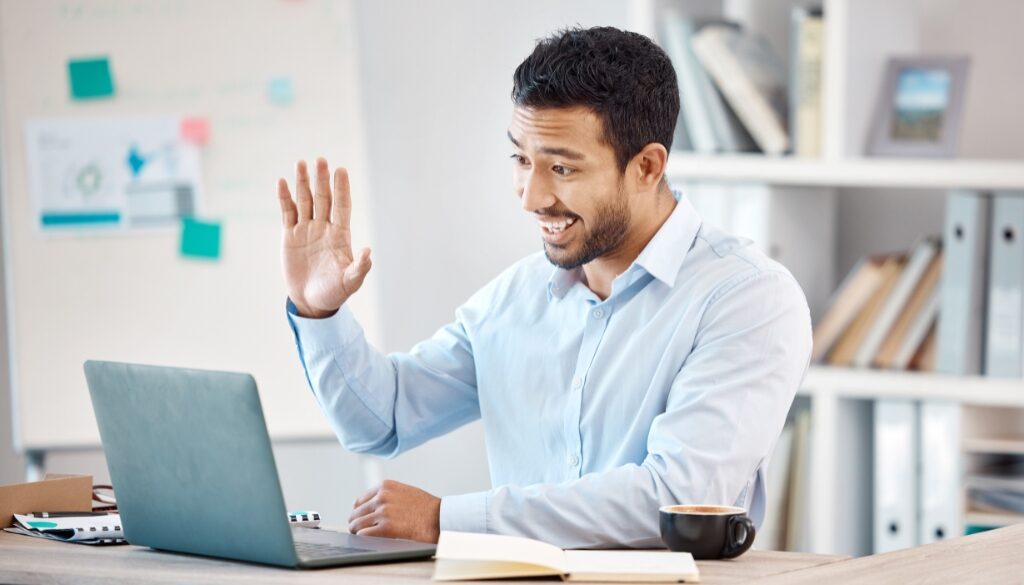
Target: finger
{"points": [[378, 529], [304, 199], [356, 272], [288, 212], [364, 509], [366, 497], [341, 209], [322, 200], [362, 523]]}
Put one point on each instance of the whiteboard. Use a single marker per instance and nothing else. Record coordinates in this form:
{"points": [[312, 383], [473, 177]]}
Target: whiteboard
{"points": [[133, 297]]}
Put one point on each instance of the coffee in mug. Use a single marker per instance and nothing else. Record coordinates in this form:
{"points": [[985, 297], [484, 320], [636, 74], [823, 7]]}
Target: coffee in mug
{"points": [[706, 531]]}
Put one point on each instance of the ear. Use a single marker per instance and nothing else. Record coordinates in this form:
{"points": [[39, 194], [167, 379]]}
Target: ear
{"points": [[648, 166]]}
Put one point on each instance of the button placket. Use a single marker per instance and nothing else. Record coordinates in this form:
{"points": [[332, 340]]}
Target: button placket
{"points": [[595, 324]]}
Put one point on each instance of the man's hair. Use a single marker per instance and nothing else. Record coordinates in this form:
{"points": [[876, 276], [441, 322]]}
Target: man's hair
{"points": [[626, 79]]}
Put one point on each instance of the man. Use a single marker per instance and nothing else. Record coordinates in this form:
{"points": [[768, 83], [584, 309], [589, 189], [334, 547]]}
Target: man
{"points": [[653, 364]]}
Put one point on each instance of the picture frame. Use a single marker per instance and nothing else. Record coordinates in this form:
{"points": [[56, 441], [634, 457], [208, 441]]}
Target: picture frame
{"points": [[920, 107]]}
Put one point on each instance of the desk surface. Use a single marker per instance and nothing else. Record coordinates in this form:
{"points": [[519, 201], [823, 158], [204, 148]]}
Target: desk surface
{"points": [[34, 560], [996, 556]]}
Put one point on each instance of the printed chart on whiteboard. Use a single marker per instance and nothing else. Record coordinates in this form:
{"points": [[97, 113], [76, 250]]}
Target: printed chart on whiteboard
{"points": [[113, 174]]}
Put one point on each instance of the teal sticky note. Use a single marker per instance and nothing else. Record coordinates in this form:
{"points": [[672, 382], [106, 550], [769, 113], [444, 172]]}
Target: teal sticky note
{"points": [[90, 78], [200, 239], [280, 91]]}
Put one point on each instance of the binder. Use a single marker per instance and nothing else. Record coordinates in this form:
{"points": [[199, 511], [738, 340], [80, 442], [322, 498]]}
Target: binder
{"points": [[964, 276], [895, 477], [1003, 343], [961, 351], [941, 501]]}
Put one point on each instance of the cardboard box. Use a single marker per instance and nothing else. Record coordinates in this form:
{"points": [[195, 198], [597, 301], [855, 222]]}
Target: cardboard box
{"points": [[56, 493]]}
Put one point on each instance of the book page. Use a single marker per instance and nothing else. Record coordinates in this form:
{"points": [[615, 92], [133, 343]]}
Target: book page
{"points": [[451, 570], [465, 546], [628, 565]]}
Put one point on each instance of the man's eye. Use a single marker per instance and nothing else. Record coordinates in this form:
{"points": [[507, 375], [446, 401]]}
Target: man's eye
{"points": [[560, 170], [519, 159]]}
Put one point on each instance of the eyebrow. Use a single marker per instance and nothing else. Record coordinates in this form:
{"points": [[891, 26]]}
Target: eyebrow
{"points": [[553, 150]]}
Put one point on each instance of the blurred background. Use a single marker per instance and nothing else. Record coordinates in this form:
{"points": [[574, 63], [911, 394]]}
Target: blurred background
{"points": [[873, 147]]}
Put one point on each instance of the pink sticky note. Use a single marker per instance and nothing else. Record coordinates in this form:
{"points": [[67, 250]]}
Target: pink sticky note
{"points": [[195, 130]]}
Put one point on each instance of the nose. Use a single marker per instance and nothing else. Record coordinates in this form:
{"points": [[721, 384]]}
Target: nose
{"points": [[534, 192]]}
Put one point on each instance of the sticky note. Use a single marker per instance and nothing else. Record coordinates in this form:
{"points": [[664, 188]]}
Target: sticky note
{"points": [[200, 239], [280, 91], [90, 78], [195, 129]]}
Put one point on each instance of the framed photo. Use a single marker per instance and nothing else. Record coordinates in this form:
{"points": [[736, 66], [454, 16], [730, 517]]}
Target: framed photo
{"points": [[920, 107]]}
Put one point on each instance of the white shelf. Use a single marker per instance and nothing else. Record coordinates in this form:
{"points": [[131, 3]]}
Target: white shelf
{"points": [[869, 384], [1006, 446], [854, 172], [992, 519]]}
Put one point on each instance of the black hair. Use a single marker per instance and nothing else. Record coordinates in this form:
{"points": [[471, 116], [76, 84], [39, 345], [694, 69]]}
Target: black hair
{"points": [[624, 77]]}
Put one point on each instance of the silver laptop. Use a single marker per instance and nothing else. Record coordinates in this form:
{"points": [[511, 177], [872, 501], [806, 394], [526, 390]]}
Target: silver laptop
{"points": [[193, 471]]}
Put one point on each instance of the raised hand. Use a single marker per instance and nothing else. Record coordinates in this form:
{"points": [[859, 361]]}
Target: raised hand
{"points": [[320, 270]]}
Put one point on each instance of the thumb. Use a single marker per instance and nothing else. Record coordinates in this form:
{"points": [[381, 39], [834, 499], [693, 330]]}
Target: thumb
{"points": [[357, 271]]}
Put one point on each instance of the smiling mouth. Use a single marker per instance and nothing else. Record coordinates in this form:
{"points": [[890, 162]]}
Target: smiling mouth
{"points": [[556, 227]]}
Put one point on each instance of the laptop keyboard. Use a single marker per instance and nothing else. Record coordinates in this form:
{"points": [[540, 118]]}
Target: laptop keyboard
{"points": [[314, 550]]}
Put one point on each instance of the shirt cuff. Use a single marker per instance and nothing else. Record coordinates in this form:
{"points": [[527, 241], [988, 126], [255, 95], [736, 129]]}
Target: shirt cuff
{"points": [[335, 331], [464, 513]]}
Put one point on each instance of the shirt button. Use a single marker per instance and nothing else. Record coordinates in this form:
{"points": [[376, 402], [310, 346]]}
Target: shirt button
{"points": [[598, 313], [573, 460], [577, 383]]}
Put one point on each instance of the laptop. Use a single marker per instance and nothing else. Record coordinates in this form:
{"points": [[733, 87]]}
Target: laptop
{"points": [[193, 471]]}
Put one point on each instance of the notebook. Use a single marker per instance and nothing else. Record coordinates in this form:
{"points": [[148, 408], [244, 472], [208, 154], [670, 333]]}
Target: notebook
{"points": [[463, 556]]}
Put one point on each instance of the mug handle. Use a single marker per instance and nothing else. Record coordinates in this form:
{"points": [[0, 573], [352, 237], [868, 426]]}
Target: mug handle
{"points": [[734, 547]]}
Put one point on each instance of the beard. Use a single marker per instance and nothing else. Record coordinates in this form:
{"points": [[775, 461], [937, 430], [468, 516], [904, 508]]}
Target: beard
{"points": [[610, 226]]}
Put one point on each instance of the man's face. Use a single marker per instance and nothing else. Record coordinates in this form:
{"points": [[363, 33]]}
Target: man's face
{"points": [[568, 178]]}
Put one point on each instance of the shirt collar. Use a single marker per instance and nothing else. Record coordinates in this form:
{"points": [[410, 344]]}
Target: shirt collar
{"points": [[661, 258], [664, 254]]}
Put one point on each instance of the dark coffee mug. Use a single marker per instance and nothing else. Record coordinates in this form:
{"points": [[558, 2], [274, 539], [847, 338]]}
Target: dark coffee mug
{"points": [[705, 531]]}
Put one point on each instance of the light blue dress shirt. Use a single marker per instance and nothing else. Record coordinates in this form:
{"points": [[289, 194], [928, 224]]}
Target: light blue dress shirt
{"points": [[672, 390]]}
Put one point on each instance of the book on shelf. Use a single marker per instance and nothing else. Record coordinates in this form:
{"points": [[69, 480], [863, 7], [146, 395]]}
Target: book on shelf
{"points": [[708, 123], [896, 301], [924, 357], [463, 556], [885, 312], [920, 334], [849, 343], [853, 293], [752, 80], [807, 31], [919, 308]]}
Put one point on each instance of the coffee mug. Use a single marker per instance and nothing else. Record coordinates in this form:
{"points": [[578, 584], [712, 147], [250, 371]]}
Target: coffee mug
{"points": [[705, 531]]}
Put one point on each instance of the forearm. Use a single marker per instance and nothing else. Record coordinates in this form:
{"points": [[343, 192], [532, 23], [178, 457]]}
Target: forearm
{"points": [[616, 508], [354, 384], [386, 404]]}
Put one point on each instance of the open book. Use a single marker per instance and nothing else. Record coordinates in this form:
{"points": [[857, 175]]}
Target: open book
{"points": [[467, 556]]}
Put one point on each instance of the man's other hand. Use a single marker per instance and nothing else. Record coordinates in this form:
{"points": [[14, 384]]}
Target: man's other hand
{"points": [[397, 510]]}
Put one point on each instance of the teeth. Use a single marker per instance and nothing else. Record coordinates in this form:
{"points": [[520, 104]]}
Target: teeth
{"points": [[556, 227]]}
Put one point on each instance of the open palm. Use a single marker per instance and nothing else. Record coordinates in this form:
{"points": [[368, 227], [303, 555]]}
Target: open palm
{"points": [[320, 270]]}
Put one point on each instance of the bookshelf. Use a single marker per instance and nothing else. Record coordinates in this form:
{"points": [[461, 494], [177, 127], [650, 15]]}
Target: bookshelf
{"points": [[876, 200], [861, 172]]}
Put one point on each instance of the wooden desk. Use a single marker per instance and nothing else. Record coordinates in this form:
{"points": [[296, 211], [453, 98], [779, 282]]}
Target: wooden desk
{"points": [[34, 560], [996, 556]]}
